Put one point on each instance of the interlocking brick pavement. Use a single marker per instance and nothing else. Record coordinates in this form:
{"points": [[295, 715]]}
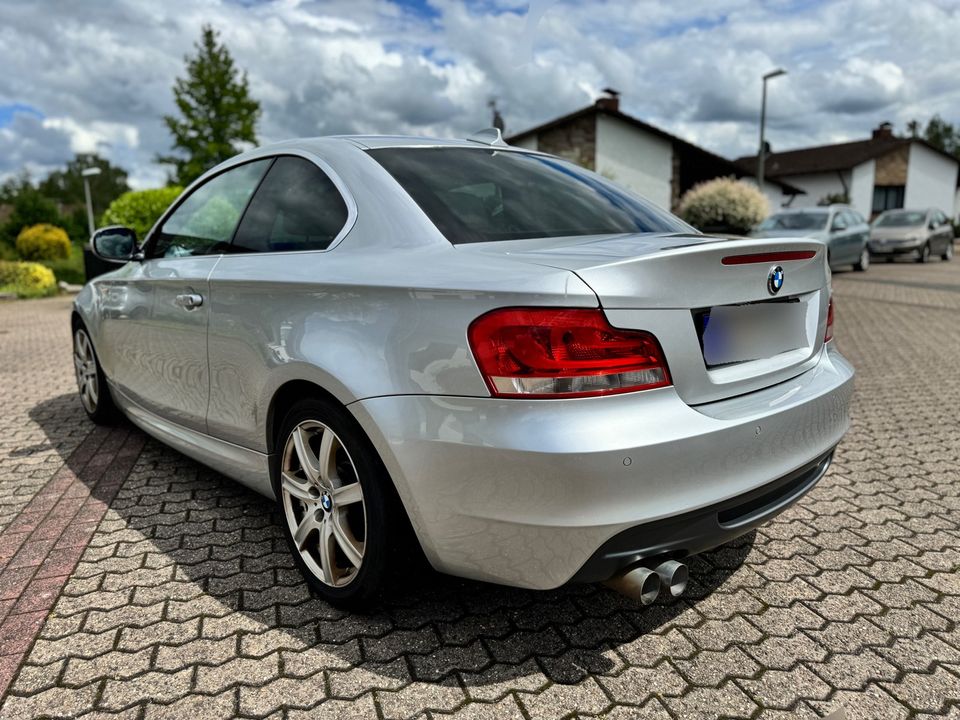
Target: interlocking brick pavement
{"points": [[184, 602]]}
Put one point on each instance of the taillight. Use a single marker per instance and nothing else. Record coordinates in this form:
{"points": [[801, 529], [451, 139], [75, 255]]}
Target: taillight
{"points": [[828, 335], [552, 352]]}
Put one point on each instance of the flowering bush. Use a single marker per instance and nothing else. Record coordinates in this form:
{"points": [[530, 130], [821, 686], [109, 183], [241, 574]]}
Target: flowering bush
{"points": [[723, 205], [140, 209], [43, 242], [27, 279]]}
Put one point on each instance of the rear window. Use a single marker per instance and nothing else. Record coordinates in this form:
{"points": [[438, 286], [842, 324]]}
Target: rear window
{"points": [[482, 195]]}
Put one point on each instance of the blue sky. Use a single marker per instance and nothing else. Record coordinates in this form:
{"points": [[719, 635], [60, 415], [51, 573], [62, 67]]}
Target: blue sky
{"points": [[81, 77]]}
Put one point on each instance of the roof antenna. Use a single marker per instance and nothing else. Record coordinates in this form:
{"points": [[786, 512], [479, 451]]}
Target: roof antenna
{"points": [[488, 136]]}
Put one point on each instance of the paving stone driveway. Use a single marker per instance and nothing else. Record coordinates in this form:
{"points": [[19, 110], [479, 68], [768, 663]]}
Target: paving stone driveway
{"points": [[137, 584]]}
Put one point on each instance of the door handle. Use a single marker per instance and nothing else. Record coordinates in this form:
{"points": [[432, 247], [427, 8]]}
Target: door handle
{"points": [[189, 301]]}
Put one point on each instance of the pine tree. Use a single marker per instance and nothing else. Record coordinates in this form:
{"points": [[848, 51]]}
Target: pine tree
{"points": [[216, 111]]}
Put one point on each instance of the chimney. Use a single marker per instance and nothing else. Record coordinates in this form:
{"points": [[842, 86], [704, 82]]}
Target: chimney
{"points": [[883, 131], [610, 100]]}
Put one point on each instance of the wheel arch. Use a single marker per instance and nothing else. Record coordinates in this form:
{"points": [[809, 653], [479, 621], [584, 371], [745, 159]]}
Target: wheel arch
{"points": [[291, 391]]}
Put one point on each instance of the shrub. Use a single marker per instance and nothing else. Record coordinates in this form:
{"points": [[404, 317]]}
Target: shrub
{"points": [[43, 242], [71, 269], [140, 209], [723, 205], [27, 279]]}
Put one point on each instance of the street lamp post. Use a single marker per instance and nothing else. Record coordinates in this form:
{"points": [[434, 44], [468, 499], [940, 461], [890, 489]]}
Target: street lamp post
{"points": [[87, 174], [762, 156]]}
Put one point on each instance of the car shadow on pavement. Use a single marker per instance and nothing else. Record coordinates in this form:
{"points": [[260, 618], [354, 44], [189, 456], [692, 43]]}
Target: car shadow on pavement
{"points": [[217, 546]]}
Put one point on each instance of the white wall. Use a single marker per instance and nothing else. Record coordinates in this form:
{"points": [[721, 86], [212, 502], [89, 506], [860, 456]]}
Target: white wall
{"points": [[931, 179], [776, 198], [816, 185], [861, 187], [635, 159], [528, 142], [956, 207]]}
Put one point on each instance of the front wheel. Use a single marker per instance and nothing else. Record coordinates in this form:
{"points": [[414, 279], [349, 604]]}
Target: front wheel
{"points": [[924, 254], [94, 393], [341, 516], [864, 262], [948, 251]]}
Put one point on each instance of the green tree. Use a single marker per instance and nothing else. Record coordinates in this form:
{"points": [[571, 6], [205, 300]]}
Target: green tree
{"points": [[66, 186], [215, 108], [943, 135], [30, 207]]}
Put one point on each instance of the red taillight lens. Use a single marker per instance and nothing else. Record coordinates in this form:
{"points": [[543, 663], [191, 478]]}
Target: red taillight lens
{"points": [[828, 335], [550, 352]]}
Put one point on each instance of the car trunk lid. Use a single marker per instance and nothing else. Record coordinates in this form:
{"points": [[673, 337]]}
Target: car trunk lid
{"points": [[710, 301]]}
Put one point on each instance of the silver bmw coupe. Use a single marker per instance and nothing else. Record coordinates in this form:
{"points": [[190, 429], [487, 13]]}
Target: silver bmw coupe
{"points": [[483, 354]]}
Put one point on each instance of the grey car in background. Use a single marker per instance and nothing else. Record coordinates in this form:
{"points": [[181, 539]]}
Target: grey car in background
{"points": [[922, 233], [844, 231], [486, 355]]}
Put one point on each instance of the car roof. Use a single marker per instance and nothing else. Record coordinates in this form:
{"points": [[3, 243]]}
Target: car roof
{"points": [[368, 142]]}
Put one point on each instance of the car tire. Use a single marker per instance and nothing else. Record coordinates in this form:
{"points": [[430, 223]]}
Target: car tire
{"points": [[923, 254], [91, 382], [341, 515], [948, 251], [864, 262]]}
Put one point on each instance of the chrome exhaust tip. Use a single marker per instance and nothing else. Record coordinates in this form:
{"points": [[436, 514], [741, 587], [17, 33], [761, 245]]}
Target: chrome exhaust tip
{"points": [[673, 575], [640, 584]]}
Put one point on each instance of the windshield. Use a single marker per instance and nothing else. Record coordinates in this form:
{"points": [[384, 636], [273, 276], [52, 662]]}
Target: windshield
{"points": [[479, 195], [904, 218], [795, 221]]}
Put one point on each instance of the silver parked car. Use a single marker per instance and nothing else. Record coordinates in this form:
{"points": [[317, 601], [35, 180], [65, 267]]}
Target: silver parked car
{"points": [[912, 232], [842, 228], [484, 353]]}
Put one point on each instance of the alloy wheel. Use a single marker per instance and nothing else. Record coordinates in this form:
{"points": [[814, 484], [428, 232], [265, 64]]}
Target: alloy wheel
{"points": [[323, 503], [85, 365]]}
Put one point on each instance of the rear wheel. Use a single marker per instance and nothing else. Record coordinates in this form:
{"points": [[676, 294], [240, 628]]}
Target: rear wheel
{"points": [[94, 393], [864, 262], [924, 253], [341, 516], [948, 251]]}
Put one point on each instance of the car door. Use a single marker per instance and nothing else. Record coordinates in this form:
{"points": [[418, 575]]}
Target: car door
{"points": [[274, 291], [859, 233], [944, 232], [156, 315], [839, 240]]}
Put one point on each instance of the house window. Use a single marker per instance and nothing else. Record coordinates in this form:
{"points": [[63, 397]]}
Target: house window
{"points": [[887, 197]]}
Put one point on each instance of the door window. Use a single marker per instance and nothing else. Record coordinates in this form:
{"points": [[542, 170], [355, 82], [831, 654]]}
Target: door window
{"points": [[205, 221], [296, 208], [839, 222]]}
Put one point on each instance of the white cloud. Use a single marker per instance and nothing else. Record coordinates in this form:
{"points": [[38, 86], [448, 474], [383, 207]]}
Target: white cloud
{"points": [[101, 74]]}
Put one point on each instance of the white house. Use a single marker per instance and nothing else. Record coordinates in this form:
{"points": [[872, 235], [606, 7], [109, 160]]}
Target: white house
{"points": [[635, 154], [877, 174]]}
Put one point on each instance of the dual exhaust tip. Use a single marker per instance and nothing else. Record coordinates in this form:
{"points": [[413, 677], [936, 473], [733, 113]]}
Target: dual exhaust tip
{"points": [[645, 584]]}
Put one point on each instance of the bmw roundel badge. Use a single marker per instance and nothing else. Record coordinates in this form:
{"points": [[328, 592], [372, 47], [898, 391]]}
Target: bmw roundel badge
{"points": [[775, 279]]}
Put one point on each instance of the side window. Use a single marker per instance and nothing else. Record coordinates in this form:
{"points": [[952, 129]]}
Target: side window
{"points": [[296, 208], [839, 222], [205, 221], [852, 218]]}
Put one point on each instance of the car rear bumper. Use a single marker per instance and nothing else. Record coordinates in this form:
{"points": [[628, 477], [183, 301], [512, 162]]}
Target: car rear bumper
{"points": [[901, 247], [537, 493]]}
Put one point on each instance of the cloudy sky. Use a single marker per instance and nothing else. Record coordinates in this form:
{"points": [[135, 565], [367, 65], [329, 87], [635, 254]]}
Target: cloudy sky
{"points": [[97, 76]]}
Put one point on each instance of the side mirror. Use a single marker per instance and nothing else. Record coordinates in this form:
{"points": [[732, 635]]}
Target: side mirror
{"points": [[838, 224], [115, 244], [932, 225]]}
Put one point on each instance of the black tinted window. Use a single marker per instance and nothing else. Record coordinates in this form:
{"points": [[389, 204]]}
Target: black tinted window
{"points": [[478, 195], [205, 221], [296, 208]]}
